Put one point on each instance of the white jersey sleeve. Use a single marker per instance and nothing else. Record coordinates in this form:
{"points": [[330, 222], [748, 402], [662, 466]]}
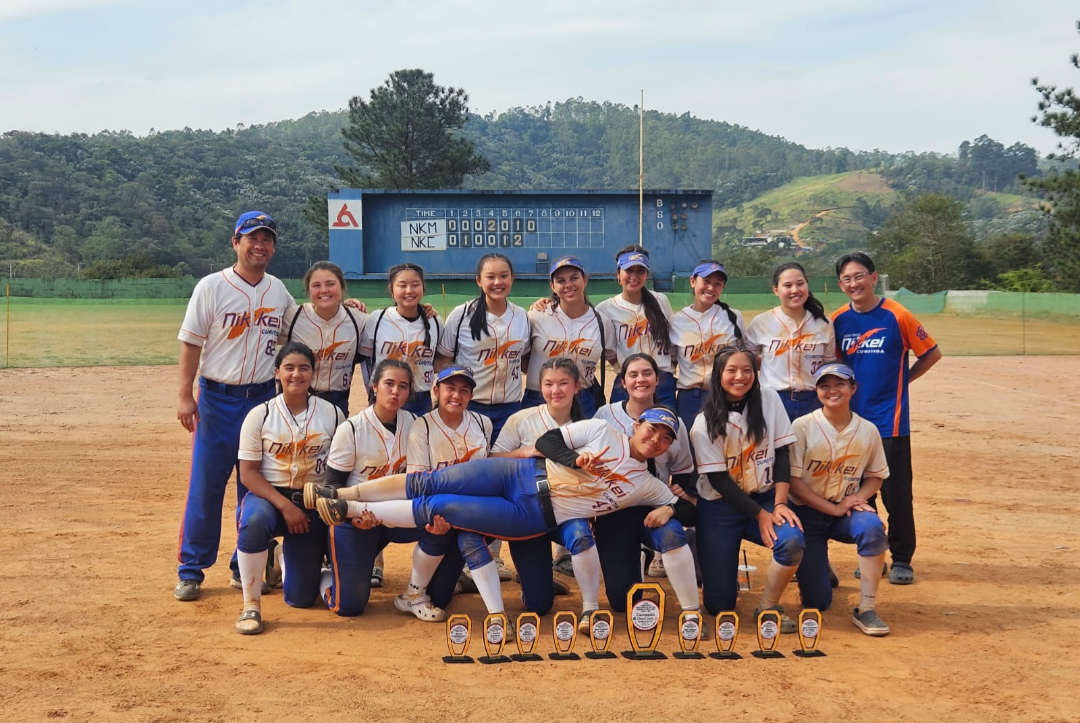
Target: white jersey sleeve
{"points": [[495, 358], [292, 449], [433, 444], [627, 330], [366, 449], [553, 334], [523, 428], [834, 462], [696, 337], [791, 352]]}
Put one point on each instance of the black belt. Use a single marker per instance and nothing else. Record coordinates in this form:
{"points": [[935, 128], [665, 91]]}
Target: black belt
{"points": [[332, 396], [799, 396], [295, 496], [244, 391], [543, 492]]}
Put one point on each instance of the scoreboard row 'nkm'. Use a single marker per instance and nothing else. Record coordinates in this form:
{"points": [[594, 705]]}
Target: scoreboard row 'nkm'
{"points": [[447, 232]]}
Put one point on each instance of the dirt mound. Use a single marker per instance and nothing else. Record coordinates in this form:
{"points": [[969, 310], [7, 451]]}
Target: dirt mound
{"points": [[864, 183]]}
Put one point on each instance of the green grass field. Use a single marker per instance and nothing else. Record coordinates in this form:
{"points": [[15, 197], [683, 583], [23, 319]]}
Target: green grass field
{"points": [[65, 333]]}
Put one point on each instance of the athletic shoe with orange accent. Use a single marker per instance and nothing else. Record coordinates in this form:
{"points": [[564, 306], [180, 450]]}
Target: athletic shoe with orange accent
{"points": [[313, 492], [332, 512]]}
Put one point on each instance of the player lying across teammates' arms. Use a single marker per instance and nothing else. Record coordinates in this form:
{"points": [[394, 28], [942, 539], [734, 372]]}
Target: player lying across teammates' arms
{"points": [[741, 441], [592, 469], [698, 331], [283, 444], [837, 464]]}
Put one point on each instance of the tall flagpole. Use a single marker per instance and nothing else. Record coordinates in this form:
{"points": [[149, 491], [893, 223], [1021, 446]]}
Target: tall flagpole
{"points": [[641, 171]]}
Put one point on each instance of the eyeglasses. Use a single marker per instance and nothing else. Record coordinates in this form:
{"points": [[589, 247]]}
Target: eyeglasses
{"points": [[257, 222], [849, 280]]}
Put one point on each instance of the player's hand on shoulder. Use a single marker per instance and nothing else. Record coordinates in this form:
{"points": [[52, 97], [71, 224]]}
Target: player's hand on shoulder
{"points": [[295, 519], [429, 311], [187, 411], [356, 304], [541, 304]]}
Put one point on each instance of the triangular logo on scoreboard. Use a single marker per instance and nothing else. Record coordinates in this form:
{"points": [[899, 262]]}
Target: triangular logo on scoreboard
{"points": [[344, 215]]}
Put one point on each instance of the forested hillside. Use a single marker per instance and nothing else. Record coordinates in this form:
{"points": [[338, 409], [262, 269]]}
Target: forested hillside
{"points": [[112, 204]]}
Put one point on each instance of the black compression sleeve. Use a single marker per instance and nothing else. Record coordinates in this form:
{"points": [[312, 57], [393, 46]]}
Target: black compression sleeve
{"points": [[686, 513], [553, 446], [733, 494], [336, 478], [688, 482], [781, 470]]}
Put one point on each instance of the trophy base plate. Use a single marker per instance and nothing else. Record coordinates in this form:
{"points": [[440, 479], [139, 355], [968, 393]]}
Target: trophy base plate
{"points": [[564, 656], [767, 654], [729, 655], [601, 655], [643, 655], [525, 657], [688, 656], [493, 659], [808, 653], [457, 659]]}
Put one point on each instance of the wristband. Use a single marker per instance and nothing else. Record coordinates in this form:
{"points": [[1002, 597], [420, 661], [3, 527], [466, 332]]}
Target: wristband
{"points": [[785, 504]]}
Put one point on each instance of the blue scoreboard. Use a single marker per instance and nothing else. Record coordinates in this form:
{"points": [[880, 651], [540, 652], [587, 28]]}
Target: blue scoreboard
{"points": [[446, 232]]}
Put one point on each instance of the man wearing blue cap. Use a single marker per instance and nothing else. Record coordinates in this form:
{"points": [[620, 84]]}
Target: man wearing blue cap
{"points": [[229, 337]]}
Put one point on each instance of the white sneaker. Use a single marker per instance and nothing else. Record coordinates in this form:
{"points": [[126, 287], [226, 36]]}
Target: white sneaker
{"points": [[656, 568]]}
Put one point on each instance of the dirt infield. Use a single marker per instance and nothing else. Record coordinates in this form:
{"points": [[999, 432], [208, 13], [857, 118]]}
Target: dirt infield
{"points": [[95, 471]]}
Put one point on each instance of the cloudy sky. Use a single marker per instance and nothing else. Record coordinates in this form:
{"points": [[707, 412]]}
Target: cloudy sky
{"points": [[899, 75]]}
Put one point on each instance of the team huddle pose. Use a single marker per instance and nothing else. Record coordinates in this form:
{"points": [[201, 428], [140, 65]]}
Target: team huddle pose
{"points": [[494, 427]]}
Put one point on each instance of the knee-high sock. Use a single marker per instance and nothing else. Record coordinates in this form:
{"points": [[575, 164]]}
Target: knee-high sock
{"points": [[326, 579], [587, 573], [870, 580], [391, 487], [379, 562], [423, 569], [487, 583], [679, 565], [392, 513], [777, 577], [496, 549], [252, 567]]}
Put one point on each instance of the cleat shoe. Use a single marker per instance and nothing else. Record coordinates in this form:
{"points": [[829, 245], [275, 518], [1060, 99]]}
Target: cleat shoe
{"points": [[249, 623], [869, 622], [504, 572], [376, 576], [235, 584], [421, 607], [274, 574], [584, 618], [656, 567], [787, 625], [332, 511], [187, 590], [313, 492]]}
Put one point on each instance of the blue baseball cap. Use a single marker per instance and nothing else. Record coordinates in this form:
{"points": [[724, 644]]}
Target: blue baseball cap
{"points": [[253, 220], [661, 415], [563, 261], [456, 370], [708, 268], [633, 258], [835, 369]]}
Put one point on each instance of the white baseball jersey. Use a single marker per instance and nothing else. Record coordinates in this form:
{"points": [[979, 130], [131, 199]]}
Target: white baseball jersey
{"points": [[677, 460], [626, 330], [554, 334], [433, 444], [577, 494], [523, 428], [237, 325], [402, 339], [366, 449], [749, 464], [292, 448], [334, 342], [833, 463], [695, 339], [791, 351], [495, 360]]}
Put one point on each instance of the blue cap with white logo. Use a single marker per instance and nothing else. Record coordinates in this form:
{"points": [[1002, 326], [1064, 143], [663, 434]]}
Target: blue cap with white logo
{"points": [[661, 415], [253, 220], [563, 261], [456, 370], [633, 258], [708, 268], [835, 369]]}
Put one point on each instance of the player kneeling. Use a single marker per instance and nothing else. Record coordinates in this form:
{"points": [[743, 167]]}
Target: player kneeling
{"points": [[837, 464]]}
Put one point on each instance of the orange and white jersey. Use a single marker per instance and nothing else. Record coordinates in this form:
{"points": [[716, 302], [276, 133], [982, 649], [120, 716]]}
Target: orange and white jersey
{"points": [[433, 444], [677, 460], [334, 342], [292, 448], [237, 325], [494, 359], [366, 449], [626, 330], [554, 334], [523, 428], [399, 338], [696, 336], [749, 464], [791, 351], [833, 463], [577, 494]]}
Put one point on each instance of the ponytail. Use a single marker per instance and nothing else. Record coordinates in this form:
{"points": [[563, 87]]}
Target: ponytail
{"points": [[812, 303], [732, 318], [478, 320]]}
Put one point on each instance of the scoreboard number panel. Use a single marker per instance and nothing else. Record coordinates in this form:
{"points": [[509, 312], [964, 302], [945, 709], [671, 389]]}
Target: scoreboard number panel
{"points": [[439, 229]]}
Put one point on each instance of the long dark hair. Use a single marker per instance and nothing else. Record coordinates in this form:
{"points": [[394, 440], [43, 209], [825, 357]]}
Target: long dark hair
{"points": [[652, 362], [478, 320], [569, 366], [392, 274], [717, 407], [658, 323], [584, 294], [380, 369], [815, 307], [726, 307], [293, 347]]}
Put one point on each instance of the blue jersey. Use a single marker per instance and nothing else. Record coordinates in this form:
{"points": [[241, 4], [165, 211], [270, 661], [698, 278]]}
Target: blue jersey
{"points": [[875, 344]]}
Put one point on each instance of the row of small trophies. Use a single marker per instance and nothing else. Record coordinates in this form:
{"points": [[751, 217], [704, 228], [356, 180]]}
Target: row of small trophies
{"points": [[644, 623]]}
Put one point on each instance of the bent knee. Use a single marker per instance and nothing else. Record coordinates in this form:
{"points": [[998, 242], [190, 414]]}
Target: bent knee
{"points": [[789, 546]]}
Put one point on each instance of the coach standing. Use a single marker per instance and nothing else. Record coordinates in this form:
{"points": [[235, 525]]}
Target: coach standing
{"points": [[874, 336], [229, 335]]}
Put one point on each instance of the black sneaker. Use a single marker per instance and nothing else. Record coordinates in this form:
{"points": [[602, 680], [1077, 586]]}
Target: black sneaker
{"points": [[187, 590]]}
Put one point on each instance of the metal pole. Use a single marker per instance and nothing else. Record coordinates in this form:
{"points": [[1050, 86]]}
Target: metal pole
{"points": [[7, 329], [1023, 323], [641, 171]]}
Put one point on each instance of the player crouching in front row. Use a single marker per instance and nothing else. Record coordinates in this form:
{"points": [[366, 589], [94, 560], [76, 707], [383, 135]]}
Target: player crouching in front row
{"points": [[837, 464]]}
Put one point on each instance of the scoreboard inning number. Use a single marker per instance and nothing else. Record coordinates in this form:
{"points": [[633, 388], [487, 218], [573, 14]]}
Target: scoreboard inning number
{"points": [[438, 229]]}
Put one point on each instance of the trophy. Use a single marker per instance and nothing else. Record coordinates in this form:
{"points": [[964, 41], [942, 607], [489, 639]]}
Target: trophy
{"points": [[600, 627], [458, 633], [727, 632], [494, 639], [768, 635], [528, 632], [564, 633], [689, 635], [644, 618], [809, 634]]}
